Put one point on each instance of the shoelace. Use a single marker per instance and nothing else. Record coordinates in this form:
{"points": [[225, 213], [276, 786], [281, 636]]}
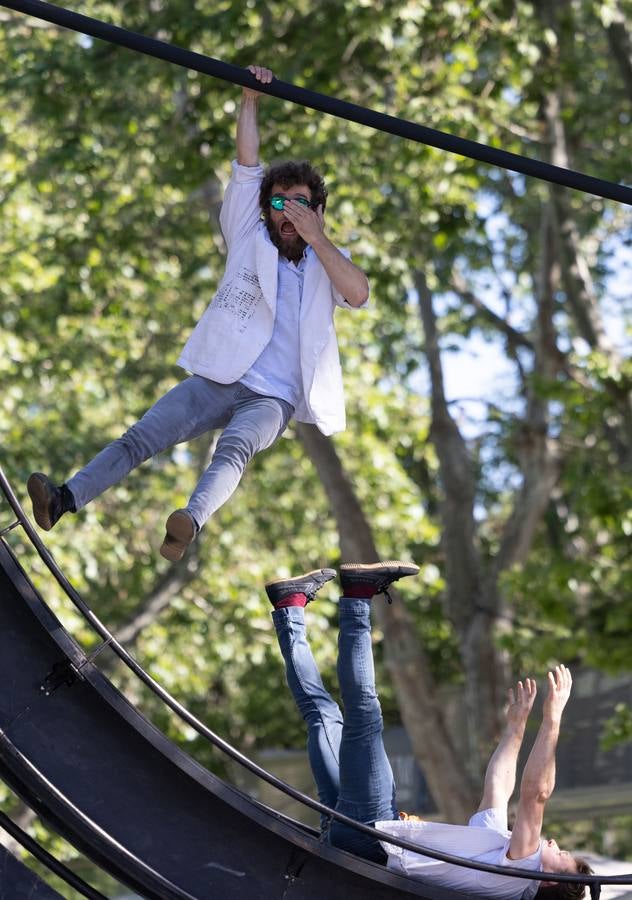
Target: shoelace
{"points": [[311, 594], [382, 588]]}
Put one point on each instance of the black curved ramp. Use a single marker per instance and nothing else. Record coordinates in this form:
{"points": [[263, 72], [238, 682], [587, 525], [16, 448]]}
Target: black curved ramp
{"points": [[126, 796], [18, 882]]}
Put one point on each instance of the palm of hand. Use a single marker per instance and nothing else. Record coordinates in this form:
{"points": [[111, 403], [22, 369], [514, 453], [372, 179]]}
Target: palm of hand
{"points": [[308, 223], [521, 701], [560, 684]]}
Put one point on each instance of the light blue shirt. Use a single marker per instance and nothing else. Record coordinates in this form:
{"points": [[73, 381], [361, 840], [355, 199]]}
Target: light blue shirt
{"points": [[277, 370]]}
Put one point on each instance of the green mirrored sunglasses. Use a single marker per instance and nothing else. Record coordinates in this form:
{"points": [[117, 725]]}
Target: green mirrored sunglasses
{"points": [[278, 202]]}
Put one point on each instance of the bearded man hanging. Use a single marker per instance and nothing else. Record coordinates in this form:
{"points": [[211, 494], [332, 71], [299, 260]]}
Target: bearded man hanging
{"points": [[264, 350]]}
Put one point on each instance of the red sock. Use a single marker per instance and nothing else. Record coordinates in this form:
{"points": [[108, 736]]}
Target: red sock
{"points": [[291, 600], [359, 591]]}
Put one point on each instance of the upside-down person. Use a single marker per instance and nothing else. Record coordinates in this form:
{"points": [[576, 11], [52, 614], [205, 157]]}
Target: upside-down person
{"points": [[265, 348], [354, 777]]}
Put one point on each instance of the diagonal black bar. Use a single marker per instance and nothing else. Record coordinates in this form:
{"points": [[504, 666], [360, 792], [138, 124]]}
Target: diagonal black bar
{"points": [[331, 105], [49, 861]]}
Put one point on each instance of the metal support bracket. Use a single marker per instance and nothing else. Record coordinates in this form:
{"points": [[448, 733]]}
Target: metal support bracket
{"points": [[324, 829], [295, 865], [9, 528], [63, 672]]}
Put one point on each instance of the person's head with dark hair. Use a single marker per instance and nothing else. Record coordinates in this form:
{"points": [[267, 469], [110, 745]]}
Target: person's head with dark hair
{"points": [[551, 890], [298, 181]]}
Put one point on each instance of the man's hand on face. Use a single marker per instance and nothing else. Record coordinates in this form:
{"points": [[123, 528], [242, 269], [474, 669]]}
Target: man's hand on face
{"points": [[263, 75], [309, 223], [560, 683]]}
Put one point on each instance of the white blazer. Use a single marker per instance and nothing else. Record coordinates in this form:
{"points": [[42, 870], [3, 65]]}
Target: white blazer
{"points": [[238, 323]]}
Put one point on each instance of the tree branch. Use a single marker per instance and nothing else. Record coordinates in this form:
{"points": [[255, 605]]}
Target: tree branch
{"points": [[455, 466], [579, 287], [514, 337], [472, 605], [620, 44], [538, 451]]}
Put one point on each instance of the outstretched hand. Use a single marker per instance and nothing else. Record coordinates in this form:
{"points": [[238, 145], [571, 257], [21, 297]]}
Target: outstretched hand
{"points": [[263, 75], [560, 683], [309, 223], [520, 702]]}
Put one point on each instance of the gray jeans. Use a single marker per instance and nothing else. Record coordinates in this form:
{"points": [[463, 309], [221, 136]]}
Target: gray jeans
{"points": [[251, 423]]}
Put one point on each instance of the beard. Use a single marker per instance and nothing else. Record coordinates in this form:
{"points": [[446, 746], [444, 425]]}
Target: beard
{"points": [[290, 245]]}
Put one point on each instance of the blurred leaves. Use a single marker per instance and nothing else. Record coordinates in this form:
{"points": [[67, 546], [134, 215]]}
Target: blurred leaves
{"points": [[618, 728], [112, 167]]}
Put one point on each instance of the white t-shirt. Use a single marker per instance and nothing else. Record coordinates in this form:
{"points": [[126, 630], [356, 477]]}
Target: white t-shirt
{"points": [[485, 839], [277, 370]]}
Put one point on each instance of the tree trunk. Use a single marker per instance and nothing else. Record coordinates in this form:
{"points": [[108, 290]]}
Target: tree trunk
{"points": [[406, 660], [620, 44], [472, 610], [537, 451], [579, 287]]}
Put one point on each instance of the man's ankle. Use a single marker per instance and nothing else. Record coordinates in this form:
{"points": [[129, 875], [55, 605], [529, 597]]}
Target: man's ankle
{"points": [[67, 499], [359, 591], [298, 599]]}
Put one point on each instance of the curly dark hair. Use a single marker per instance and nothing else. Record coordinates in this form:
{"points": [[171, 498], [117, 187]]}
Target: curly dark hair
{"points": [[566, 890], [289, 173]]}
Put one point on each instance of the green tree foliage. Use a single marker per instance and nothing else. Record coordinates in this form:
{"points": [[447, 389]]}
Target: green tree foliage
{"points": [[112, 167]]}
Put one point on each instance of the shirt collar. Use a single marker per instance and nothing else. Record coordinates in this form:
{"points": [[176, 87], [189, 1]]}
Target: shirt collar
{"points": [[300, 265]]}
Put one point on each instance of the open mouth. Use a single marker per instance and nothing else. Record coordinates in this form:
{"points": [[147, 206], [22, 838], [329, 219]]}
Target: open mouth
{"points": [[287, 229]]}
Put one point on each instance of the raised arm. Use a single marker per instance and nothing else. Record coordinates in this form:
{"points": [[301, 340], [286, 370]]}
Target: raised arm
{"points": [[500, 777], [538, 778], [247, 127], [347, 278]]}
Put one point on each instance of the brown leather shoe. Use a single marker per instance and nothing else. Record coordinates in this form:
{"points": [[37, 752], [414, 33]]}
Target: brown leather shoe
{"points": [[181, 531], [49, 501]]}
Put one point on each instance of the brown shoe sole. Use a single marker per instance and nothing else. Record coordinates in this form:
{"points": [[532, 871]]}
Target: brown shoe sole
{"points": [[370, 568], [180, 533], [37, 486]]}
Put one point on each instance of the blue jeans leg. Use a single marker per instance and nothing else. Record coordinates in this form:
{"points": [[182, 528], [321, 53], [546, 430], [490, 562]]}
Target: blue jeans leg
{"points": [[251, 423], [320, 712], [367, 788], [256, 422], [189, 409]]}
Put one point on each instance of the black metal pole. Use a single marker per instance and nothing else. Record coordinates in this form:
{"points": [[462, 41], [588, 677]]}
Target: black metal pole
{"points": [[331, 105], [49, 861]]}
